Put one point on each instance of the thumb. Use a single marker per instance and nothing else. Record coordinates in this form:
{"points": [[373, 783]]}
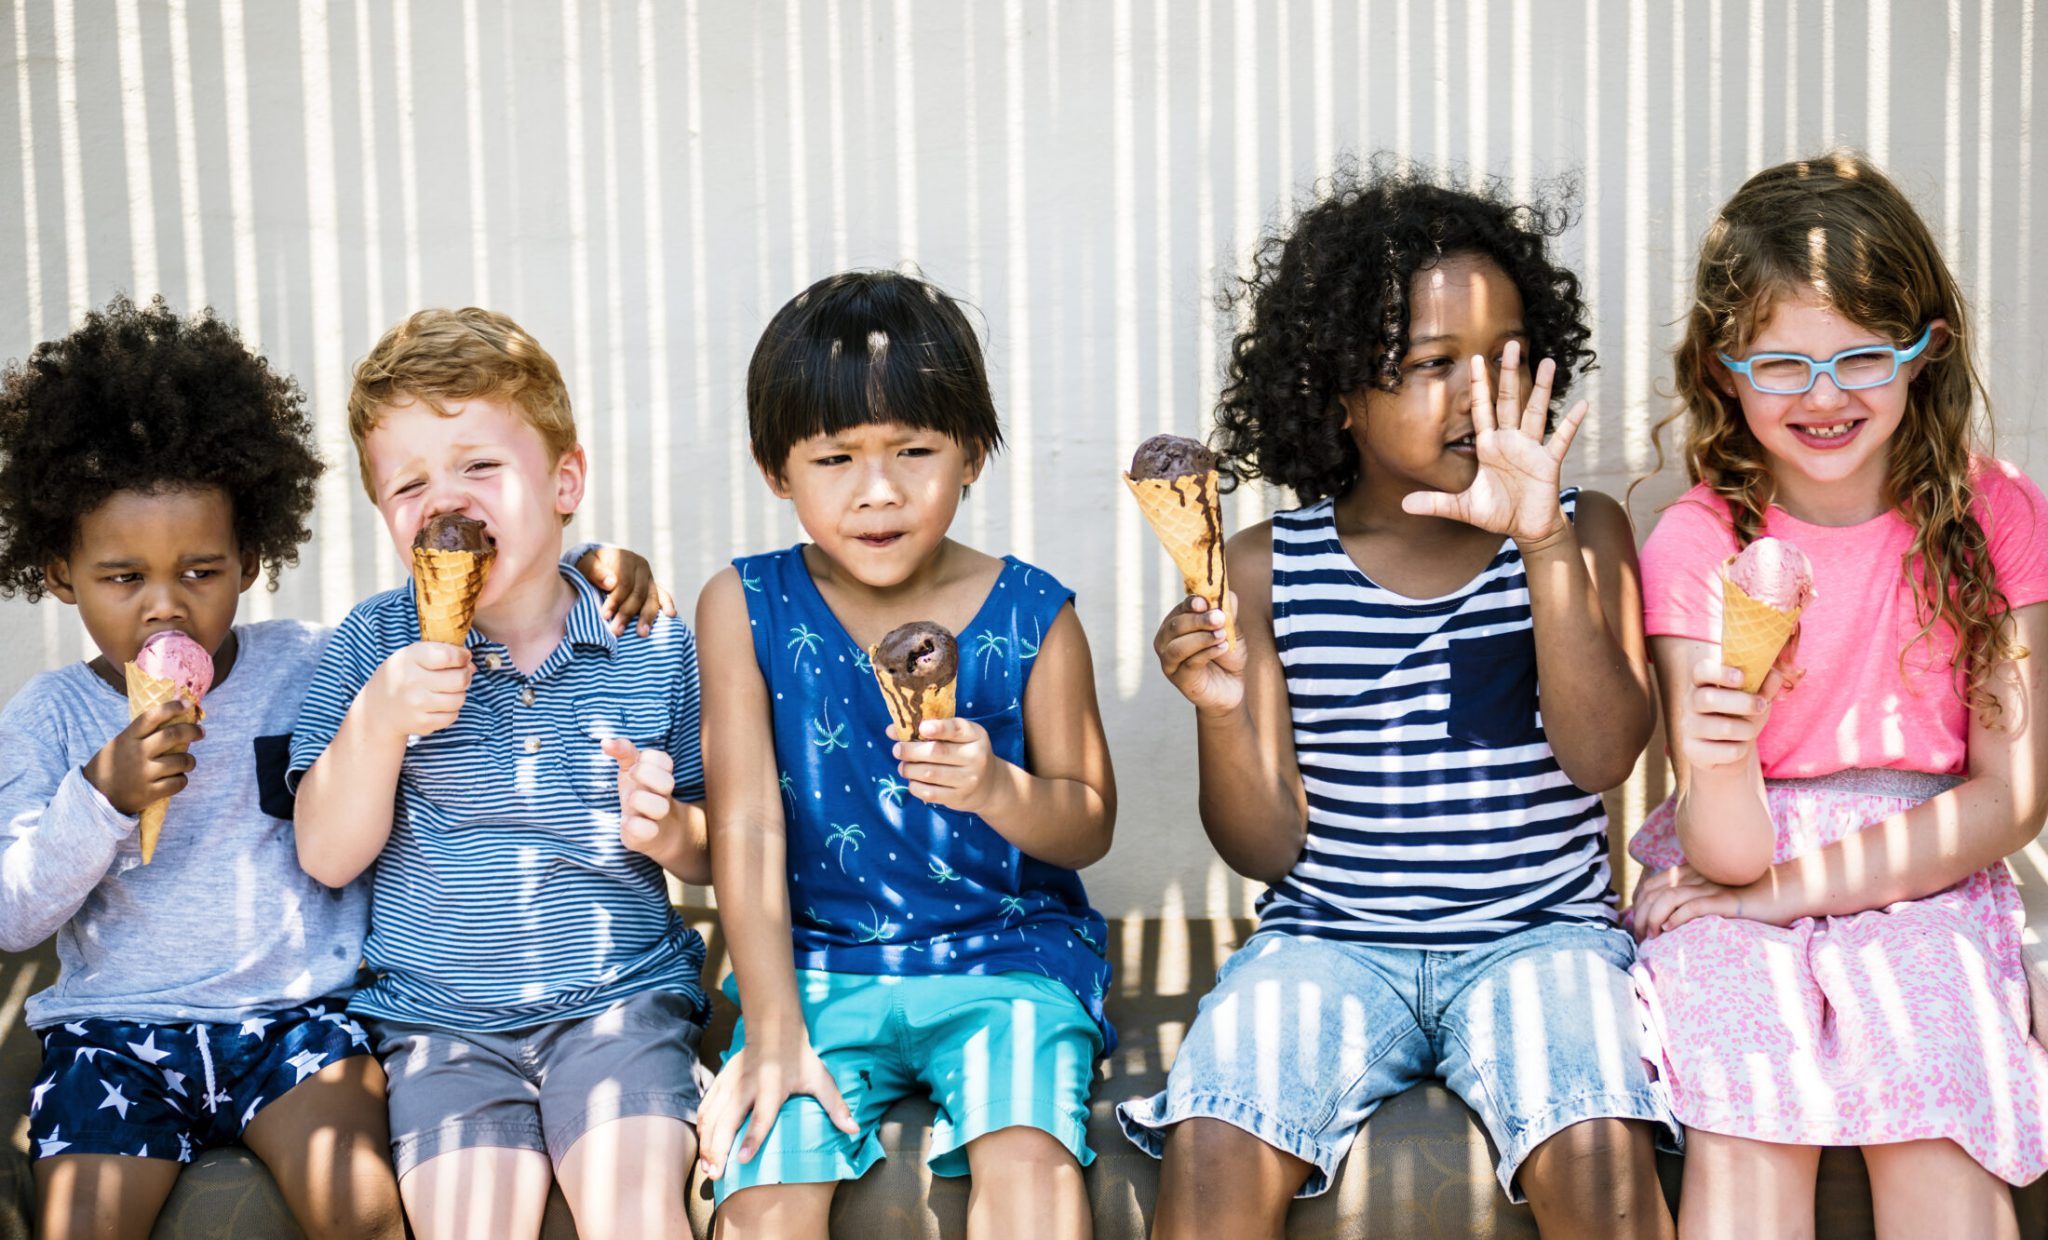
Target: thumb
{"points": [[1429, 504], [621, 750]]}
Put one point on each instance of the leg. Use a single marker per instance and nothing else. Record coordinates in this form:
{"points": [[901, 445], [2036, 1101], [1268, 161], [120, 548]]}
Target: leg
{"points": [[1597, 1178], [1927, 1189], [776, 1211], [1739, 1189], [1025, 1184], [104, 1196], [328, 1146], [481, 1193], [629, 1177], [1219, 1180]]}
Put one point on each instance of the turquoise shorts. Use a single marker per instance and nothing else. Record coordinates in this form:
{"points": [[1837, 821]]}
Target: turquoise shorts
{"points": [[1009, 1050]]}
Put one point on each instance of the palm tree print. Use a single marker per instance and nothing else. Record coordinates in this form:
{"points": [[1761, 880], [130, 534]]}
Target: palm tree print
{"points": [[1082, 934], [1027, 650], [987, 643], [1012, 907], [943, 873], [750, 582], [811, 915], [876, 929], [803, 641], [827, 737], [892, 791], [860, 662], [841, 837], [788, 787]]}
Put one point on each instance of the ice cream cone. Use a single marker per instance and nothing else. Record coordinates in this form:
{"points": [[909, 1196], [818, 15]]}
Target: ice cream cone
{"points": [[909, 706], [1752, 633], [144, 692], [1188, 518], [446, 585]]}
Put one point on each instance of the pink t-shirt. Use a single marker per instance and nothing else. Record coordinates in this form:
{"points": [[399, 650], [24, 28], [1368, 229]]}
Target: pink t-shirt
{"points": [[1854, 708]]}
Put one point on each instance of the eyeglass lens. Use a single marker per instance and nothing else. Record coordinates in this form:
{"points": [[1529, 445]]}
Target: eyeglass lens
{"points": [[1867, 368]]}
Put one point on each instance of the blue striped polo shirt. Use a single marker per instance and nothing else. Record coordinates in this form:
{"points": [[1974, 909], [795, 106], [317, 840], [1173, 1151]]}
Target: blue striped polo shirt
{"points": [[504, 897], [1437, 815]]}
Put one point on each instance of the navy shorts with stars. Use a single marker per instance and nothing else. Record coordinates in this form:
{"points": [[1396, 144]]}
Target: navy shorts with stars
{"points": [[174, 1091]]}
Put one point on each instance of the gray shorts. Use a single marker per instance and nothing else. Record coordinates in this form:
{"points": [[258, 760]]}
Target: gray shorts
{"points": [[539, 1088]]}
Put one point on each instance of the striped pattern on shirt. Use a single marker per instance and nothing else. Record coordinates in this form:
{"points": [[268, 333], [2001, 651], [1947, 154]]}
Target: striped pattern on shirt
{"points": [[504, 897], [1437, 815]]}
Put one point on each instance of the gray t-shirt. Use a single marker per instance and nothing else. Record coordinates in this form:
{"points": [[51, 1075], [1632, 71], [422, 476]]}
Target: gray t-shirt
{"points": [[223, 923]]}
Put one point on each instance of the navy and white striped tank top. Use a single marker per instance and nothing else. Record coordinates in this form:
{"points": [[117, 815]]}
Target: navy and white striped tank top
{"points": [[1437, 815]]}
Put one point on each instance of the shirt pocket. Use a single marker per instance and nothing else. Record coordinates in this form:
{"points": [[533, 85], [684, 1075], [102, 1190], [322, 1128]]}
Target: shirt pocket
{"points": [[451, 768], [1493, 690], [589, 770], [273, 758]]}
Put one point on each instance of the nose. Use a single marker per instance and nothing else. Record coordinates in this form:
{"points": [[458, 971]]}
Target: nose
{"points": [[444, 495], [1824, 394], [164, 605], [878, 487]]}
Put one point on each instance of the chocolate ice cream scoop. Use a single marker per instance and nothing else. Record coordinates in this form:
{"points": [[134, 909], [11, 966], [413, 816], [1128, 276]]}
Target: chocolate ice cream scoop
{"points": [[918, 655], [1171, 456], [451, 531]]}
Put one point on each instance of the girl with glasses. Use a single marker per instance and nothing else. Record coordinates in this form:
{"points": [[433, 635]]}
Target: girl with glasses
{"points": [[1831, 949]]}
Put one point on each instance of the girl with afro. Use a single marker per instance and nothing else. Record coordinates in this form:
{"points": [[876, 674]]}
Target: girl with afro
{"points": [[1439, 902], [151, 469]]}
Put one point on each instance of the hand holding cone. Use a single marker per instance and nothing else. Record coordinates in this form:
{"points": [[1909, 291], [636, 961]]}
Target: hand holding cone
{"points": [[169, 665], [1174, 479]]}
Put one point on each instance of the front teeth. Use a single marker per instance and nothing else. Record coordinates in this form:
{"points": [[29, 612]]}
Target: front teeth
{"points": [[1831, 432]]}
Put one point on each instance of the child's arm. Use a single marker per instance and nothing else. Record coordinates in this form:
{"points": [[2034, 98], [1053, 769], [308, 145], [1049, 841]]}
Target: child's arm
{"points": [[1995, 812], [1063, 808], [346, 797], [61, 826], [1723, 822], [1586, 603], [652, 821], [750, 875], [1252, 802]]}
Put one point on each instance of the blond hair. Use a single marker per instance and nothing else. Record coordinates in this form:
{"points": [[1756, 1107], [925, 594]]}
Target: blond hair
{"points": [[455, 355], [1836, 227]]}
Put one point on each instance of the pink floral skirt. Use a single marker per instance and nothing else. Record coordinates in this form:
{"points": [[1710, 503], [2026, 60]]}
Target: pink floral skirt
{"points": [[1904, 1023]]}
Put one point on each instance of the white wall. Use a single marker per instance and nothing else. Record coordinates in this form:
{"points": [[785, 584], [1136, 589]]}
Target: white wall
{"points": [[642, 184]]}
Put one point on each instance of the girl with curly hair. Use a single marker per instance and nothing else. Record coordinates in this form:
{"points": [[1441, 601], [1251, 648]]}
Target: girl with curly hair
{"points": [[1832, 941], [1436, 848], [152, 467]]}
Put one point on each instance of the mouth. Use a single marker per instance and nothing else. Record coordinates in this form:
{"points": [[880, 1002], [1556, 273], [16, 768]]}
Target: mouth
{"points": [[1826, 435], [879, 541], [1463, 445]]}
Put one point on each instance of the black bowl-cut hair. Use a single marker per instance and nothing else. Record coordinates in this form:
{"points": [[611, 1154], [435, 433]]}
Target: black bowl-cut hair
{"points": [[866, 347], [140, 399], [1328, 312]]}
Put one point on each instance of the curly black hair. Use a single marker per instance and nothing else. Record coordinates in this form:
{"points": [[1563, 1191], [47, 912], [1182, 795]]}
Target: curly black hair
{"points": [[1328, 312], [140, 399]]}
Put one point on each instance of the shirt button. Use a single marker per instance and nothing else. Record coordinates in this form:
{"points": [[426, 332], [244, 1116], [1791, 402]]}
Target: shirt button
{"points": [[493, 662], [533, 744], [526, 697]]}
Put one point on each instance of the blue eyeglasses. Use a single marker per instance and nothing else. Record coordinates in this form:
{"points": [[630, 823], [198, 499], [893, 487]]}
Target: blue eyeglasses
{"points": [[1794, 374]]}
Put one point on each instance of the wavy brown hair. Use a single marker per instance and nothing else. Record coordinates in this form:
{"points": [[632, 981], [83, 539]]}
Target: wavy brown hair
{"points": [[1837, 227]]}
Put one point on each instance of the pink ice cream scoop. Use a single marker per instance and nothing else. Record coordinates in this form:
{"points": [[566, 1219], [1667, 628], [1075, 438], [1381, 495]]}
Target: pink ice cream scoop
{"points": [[1774, 573], [172, 656]]}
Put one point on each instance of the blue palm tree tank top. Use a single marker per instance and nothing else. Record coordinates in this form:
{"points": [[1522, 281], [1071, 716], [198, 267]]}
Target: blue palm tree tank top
{"points": [[879, 881]]}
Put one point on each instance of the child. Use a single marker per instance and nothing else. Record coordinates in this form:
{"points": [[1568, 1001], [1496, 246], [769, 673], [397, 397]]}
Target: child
{"points": [[1834, 943], [943, 943], [536, 1001], [1373, 748]]}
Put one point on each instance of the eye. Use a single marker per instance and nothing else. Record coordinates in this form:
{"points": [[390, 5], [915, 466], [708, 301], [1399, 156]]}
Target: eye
{"points": [[407, 488], [201, 574], [837, 458], [123, 579], [918, 451], [1431, 365], [477, 467]]}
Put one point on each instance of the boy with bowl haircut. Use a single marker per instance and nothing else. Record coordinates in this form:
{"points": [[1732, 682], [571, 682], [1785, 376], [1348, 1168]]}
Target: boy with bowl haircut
{"points": [[537, 1002]]}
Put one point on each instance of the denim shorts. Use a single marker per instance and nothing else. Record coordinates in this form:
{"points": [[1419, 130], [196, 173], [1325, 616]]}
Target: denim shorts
{"points": [[1303, 1038], [992, 1052], [540, 1088]]}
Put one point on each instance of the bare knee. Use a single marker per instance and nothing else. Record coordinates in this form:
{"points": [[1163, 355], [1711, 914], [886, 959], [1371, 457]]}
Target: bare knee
{"points": [[775, 1210], [1218, 1179], [1598, 1176], [1014, 1154]]}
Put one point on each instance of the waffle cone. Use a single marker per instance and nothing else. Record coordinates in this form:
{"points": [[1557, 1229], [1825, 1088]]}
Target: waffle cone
{"points": [[1188, 518], [1752, 633], [145, 692], [910, 707], [446, 585]]}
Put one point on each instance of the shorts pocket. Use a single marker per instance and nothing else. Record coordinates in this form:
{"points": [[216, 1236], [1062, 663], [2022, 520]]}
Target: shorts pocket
{"points": [[641, 720], [1493, 690]]}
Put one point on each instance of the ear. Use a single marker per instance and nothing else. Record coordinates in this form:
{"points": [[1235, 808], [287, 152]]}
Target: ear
{"points": [[1352, 407], [777, 482], [57, 580], [1939, 336], [976, 462], [252, 567], [572, 474]]}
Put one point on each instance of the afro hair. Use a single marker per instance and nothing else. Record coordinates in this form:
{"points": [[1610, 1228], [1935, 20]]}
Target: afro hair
{"points": [[1327, 313], [139, 399]]}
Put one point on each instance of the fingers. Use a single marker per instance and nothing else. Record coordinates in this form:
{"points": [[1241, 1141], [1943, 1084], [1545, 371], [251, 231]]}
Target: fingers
{"points": [[1536, 410], [1430, 504], [658, 604], [440, 656], [760, 1122], [1483, 417], [1567, 429], [956, 730], [1505, 412], [820, 1085], [718, 1121], [621, 751]]}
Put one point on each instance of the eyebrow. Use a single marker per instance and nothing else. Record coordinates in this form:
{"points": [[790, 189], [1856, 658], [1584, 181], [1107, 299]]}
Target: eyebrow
{"points": [[209, 558], [1415, 341]]}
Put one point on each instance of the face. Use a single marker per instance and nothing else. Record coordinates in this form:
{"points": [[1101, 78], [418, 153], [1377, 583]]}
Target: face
{"points": [[486, 462], [877, 499], [1824, 437], [1420, 437], [143, 562]]}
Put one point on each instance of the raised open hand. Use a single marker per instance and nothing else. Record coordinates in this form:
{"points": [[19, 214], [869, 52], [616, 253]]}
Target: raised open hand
{"points": [[1515, 490]]}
